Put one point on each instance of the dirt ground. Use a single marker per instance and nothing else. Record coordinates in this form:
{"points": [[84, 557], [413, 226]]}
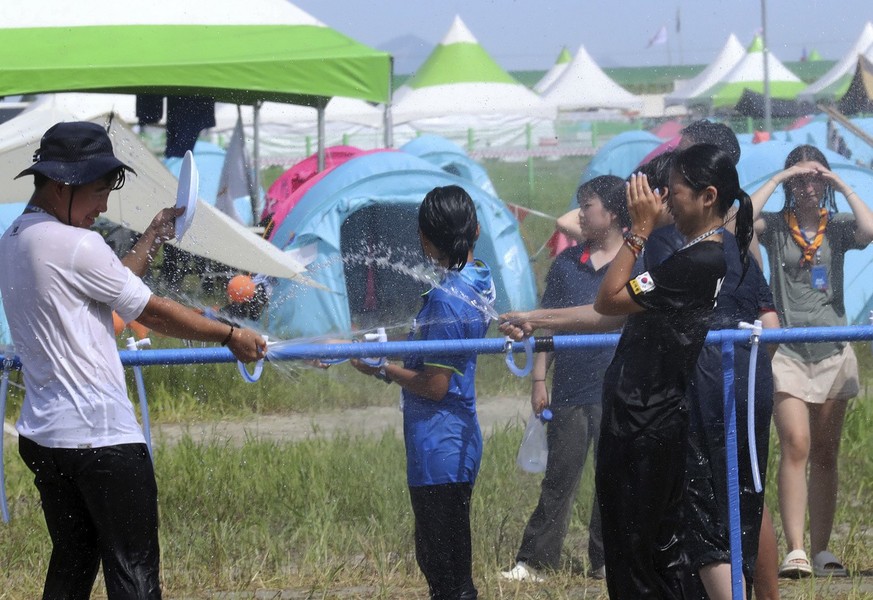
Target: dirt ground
{"points": [[493, 412]]}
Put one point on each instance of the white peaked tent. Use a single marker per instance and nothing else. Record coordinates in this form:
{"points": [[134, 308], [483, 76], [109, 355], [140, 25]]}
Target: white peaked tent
{"points": [[459, 82], [87, 106], [212, 234], [748, 74], [584, 86], [835, 82], [731, 53], [551, 76]]}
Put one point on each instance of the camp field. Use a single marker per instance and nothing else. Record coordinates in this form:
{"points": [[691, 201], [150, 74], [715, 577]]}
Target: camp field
{"points": [[329, 517]]}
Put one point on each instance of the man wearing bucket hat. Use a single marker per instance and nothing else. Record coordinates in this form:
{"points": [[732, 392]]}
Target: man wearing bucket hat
{"points": [[78, 430]]}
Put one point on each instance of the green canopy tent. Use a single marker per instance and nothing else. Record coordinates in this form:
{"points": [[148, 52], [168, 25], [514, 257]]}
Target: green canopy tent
{"points": [[240, 52], [243, 52], [748, 74]]}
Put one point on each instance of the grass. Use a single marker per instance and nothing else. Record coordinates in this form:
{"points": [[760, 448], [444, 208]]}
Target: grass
{"points": [[321, 516]]}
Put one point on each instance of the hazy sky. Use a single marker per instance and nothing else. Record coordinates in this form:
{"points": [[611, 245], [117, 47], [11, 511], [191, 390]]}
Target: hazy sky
{"points": [[528, 34]]}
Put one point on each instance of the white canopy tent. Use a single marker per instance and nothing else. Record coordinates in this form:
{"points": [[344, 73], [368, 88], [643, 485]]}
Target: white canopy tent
{"points": [[551, 76], [584, 86], [285, 131], [748, 74], [731, 53], [212, 234], [835, 82], [87, 106]]}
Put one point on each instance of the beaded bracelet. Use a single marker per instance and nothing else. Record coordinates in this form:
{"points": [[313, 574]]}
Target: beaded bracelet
{"points": [[229, 336]]}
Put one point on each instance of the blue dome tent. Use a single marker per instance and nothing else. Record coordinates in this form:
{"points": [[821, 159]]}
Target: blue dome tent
{"points": [[449, 157], [8, 213], [621, 155], [759, 162], [362, 219]]}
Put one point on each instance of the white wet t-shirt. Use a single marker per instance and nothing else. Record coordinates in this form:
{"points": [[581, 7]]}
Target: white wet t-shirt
{"points": [[60, 285]]}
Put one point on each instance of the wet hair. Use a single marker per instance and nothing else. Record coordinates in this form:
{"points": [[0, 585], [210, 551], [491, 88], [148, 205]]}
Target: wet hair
{"points": [[801, 154], [717, 134], [610, 190], [657, 170], [447, 217], [704, 165]]}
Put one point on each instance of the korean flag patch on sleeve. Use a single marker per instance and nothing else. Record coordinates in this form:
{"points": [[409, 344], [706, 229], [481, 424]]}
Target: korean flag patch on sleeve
{"points": [[642, 284]]}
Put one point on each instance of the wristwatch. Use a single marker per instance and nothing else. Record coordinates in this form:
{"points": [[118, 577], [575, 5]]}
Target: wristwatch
{"points": [[382, 374]]}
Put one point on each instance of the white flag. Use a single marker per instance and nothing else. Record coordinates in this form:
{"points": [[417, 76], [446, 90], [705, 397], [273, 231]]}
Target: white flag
{"points": [[660, 37], [235, 181]]}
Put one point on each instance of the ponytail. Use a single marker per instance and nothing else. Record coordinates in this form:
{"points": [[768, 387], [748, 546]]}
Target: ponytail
{"points": [[744, 228]]}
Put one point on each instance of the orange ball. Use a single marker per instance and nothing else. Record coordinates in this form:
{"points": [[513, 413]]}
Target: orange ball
{"points": [[117, 323], [241, 288], [139, 330]]}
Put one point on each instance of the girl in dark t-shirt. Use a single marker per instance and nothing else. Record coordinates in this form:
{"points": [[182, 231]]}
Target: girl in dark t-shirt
{"points": [[643, 440]]}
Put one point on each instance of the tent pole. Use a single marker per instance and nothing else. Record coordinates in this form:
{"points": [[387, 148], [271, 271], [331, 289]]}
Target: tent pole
{"points": [[388, 122], [768, 121], [247, 167], [320, 109], [256, 160]]}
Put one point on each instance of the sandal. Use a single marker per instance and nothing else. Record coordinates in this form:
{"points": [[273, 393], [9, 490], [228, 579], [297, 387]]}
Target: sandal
{"points": [[825, 564], [796, 565]]}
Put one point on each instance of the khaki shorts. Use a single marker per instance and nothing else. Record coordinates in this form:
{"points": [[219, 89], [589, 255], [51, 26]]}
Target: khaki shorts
{"points": [[835, 377]]}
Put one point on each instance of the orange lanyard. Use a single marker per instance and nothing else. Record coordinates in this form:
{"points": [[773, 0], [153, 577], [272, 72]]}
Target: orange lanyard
{"points": [[807, 248]]}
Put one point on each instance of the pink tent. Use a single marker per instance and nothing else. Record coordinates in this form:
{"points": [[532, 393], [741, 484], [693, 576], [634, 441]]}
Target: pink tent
{"points": [[668, 129], [670, 144], [293, 184], [282, 196]]}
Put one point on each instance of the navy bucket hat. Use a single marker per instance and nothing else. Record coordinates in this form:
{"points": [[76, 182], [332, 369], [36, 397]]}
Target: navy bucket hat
{"points": [[75, 153]]}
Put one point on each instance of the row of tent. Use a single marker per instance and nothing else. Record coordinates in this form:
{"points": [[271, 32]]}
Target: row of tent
{"points": [[460, 92], [736, 71], [459, 89], [357, 218]]}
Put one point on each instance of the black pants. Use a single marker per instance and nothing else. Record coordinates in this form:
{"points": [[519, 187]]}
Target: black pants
{"points": [[571, 432], [443, 547], [640, 482], [100, 504]]}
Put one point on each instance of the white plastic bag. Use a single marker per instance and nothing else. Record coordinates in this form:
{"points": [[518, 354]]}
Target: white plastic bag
{"points": [[534, 449]]}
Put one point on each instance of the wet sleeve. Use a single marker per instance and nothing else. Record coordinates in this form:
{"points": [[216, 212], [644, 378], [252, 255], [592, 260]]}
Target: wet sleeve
{"points": [[841, 231], [444, 323], [770, 226], [99, 275], [685, 280]]}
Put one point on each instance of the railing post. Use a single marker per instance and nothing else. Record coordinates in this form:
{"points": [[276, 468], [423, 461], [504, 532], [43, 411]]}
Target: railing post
{"points": [[733, 487]]}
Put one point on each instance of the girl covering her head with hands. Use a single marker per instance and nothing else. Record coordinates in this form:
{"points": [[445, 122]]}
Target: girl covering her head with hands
{"points": [[806, 243], [440, 426], [643, 439]]}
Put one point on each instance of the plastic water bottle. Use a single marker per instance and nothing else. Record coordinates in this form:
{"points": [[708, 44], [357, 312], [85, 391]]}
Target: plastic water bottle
{"points": [[534, 450]]}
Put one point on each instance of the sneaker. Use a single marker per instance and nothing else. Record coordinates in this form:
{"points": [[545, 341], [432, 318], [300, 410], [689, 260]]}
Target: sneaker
{"points": [[522, 572], [598, 573]]}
